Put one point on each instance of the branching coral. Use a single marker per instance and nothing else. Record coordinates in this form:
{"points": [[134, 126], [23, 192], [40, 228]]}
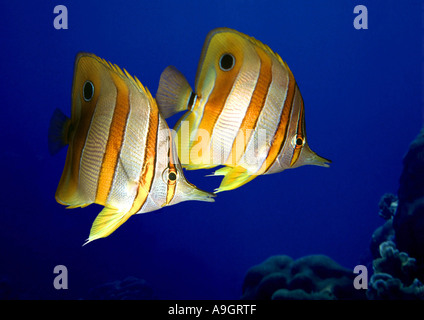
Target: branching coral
{"points": [[396, 263], [394, 276]]}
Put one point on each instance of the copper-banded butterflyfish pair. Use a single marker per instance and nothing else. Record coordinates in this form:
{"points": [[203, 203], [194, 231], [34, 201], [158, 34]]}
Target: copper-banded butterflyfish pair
{"points": [[245, 113], [121, 153]]}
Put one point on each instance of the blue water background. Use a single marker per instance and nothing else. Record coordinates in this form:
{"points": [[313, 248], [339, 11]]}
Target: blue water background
{"points": [[363, 94]]}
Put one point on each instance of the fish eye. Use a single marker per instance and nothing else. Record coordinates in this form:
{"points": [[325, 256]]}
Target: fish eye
{"points": [[227, 62], [297, 141], [172, 176], [169, 176], [88, 90]]}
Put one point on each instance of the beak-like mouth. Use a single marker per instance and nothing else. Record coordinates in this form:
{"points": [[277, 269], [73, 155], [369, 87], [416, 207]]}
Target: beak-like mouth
{"points": [[309, 157], [201, 195], [320, 161]]}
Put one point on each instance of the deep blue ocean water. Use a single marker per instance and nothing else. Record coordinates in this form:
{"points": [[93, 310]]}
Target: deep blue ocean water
{"points": [[363, 93]]}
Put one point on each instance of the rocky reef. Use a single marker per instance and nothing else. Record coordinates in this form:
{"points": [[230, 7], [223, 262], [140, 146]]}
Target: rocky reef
{"points": [[398, 246], [408, 222], [314, 277], [397, 249]]}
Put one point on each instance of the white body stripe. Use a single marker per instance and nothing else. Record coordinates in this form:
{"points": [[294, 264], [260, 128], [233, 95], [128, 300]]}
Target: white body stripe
{"points": [[260, 143], [284, 157], [157, 195], [95, 145], [229, 121], [131, 157]]}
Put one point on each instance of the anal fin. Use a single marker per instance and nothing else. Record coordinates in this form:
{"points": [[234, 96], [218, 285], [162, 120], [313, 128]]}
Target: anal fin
{"points": [[198, 166], [233, 178], [107, 221]]}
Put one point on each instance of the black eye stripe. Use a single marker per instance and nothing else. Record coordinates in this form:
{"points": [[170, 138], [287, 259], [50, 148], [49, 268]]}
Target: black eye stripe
{"points": [[227, 62], [88, 90]]}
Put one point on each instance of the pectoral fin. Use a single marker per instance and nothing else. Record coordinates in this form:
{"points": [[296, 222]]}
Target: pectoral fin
{"points": [[108, 220]]}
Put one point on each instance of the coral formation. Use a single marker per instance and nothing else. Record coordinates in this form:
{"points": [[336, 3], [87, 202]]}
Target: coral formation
{"points": [[398, 246], [408, 221], [130, 288], [396, 263], [385, 287], [395, 276], [310, 277], [388, 205]]}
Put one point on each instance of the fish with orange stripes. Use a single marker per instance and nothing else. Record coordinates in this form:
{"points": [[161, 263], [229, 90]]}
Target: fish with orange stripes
{"points": [[121, 153], [246, 112]]}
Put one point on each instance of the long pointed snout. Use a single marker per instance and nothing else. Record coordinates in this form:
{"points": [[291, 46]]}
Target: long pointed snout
{"points": [[309, 157]]}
